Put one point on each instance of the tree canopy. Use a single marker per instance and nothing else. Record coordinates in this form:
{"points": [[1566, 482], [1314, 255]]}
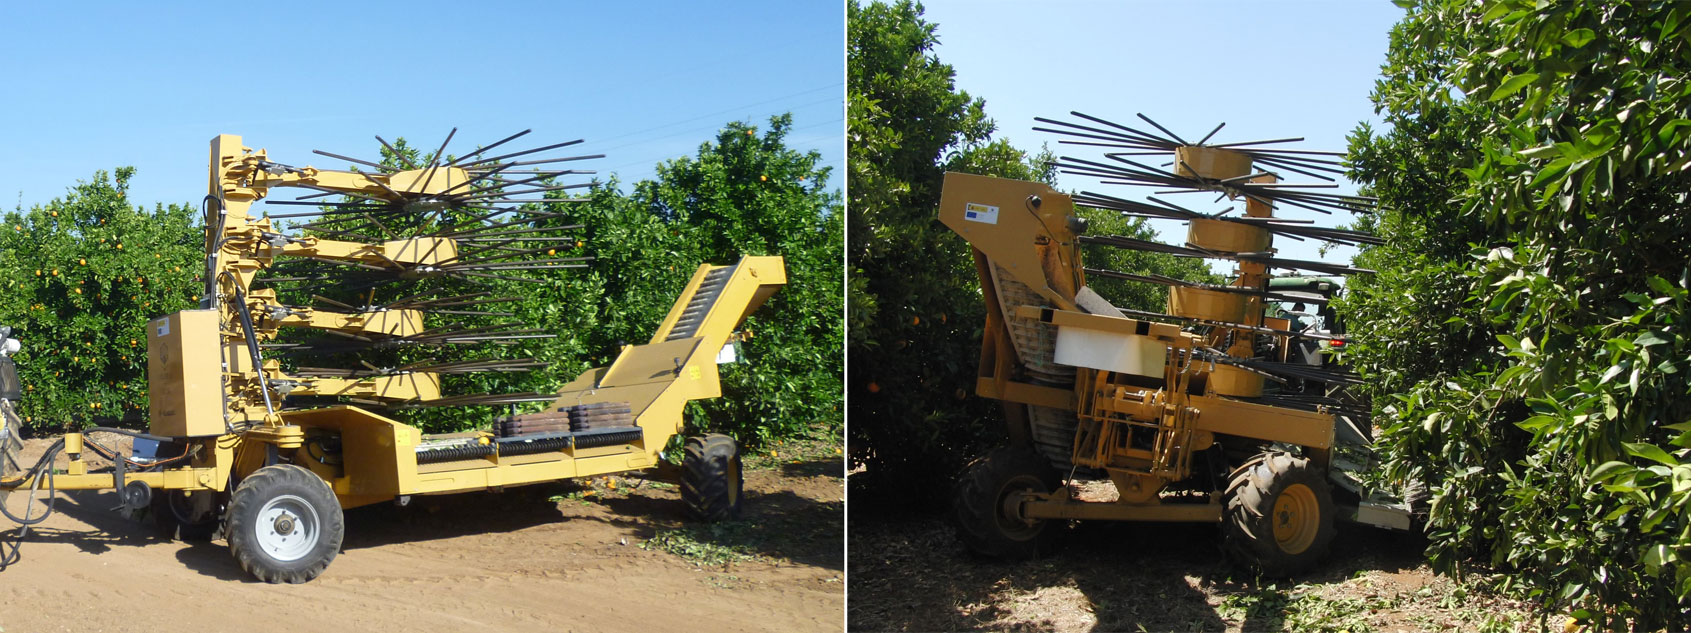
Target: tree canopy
{"points": [[915, 313], [1527, 337], [84, 274], [107, 267]]}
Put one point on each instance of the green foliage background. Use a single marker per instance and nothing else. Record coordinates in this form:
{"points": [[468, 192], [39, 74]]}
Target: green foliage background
{"points": [[915, 312], [83, 274], [743, 193], [1527, 337]]}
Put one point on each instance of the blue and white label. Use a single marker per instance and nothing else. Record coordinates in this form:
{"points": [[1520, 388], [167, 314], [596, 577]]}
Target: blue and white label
{"points": [[981, 213]]}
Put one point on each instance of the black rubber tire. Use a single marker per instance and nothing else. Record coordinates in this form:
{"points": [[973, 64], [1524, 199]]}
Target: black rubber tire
{"points": [[1251, 517], [261, 488], [712, 478], [169, 523], [982, 521]]}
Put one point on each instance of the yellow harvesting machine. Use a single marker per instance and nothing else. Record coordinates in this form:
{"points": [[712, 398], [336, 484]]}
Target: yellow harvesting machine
{"points": [[228, 450], [1209, 412]]}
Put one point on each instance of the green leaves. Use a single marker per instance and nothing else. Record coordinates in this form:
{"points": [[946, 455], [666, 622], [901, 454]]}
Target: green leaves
{"points": [[1537, 257], [1512, 85], [1578, 38], [1648, 451], [82, 276], [914, 307], [744, 193]]}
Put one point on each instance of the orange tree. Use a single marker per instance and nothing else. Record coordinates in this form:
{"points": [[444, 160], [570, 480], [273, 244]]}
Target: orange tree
{"points": [[83, 275], [1527, 338], [915, 313], [744, 193]]}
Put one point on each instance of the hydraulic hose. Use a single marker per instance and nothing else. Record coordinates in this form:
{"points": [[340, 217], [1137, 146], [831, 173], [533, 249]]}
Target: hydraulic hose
{"points": [[11, 549], [253, 344]]}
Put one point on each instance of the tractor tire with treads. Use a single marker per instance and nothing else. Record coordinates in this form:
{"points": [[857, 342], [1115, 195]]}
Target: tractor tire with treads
{"points": [[984, 509], [1279, 517], [712, 478], [284, 524]]}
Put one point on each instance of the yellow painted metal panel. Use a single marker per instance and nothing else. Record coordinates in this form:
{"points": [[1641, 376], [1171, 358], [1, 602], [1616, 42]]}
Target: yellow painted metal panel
{"points": [[386, 322], [1227, 380], [408, 386], [652, 363], [429, 181], [377, 452], [1276, 424], [999, 217], [1192, 161], [184, 386], [178, 479], [1228, 237], [519, 474], [421, 250], [1214, 305]]}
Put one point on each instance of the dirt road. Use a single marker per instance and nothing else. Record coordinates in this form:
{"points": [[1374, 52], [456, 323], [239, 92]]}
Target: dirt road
{"points": [[555, 558], [909, 573]]}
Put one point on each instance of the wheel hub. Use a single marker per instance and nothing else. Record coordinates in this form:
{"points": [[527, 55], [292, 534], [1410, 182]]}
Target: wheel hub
{"points": [[287, 529], [1009, 518], [1297, 519]]}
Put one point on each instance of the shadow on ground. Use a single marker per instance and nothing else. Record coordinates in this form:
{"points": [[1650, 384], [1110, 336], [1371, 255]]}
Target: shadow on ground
{"points": [[909, 573], [777, 522]]}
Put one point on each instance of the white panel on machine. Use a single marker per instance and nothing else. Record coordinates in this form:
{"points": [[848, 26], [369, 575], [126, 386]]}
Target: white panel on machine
{"points": [[1111, 351]]}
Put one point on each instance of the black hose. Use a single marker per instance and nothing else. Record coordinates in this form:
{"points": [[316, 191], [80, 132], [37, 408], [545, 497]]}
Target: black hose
{"points": [[253, 344], [217, 242], [11, 549], [135, 434], [45, 465]]}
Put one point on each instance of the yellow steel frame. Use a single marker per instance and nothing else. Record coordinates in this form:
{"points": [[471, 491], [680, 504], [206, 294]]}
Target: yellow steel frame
{"points": [[378, 461], [1142, 433]]}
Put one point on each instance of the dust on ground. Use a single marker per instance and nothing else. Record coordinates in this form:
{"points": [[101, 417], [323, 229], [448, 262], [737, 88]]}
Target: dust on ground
{"points": [[909, 573], [611, 554]]}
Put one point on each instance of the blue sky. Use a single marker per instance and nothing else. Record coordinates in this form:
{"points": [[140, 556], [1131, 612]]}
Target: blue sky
{"points": [[106, 84], [1267, 69]]}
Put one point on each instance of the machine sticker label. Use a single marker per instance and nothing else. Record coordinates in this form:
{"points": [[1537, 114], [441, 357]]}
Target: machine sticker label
{"points": [[696, 372], [164, 328], [981, 213]]}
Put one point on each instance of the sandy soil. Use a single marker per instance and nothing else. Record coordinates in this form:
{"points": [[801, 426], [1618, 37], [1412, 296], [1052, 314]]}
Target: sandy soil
{"points": [[909, 573], [541, 558]]}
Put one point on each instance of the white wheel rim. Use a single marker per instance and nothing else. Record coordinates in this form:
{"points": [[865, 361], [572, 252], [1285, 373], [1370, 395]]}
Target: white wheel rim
{"points": [[287, 528]]}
